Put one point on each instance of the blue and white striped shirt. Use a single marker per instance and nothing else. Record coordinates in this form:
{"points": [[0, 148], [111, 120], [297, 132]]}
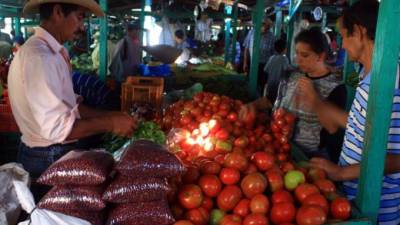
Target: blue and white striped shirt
{"points": [[389, 212]]}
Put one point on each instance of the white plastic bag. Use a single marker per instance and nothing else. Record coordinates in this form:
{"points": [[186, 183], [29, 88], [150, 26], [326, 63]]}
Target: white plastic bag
{"points": [[41, 216], [9, 204]]}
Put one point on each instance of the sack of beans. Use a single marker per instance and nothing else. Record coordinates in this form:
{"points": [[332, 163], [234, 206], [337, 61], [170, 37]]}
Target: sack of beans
{"points": [[143, 213], [129, 190], [147, 159], [79, 168], [86, 198], [95, 218]]}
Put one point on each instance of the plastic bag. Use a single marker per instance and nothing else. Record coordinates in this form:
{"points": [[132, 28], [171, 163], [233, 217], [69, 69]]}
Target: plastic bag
{"points": [[41, 216], [87, 198], [10, 208], [143, 213], [146, 159], [79, 168], [128, 190]]}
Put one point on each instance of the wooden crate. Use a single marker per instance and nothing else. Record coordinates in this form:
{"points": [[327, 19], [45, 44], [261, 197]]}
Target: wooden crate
{"points": [[142, 89]]}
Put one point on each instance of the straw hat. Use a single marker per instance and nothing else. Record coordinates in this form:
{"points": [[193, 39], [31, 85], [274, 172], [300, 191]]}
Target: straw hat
{"points": [[32, 6]]}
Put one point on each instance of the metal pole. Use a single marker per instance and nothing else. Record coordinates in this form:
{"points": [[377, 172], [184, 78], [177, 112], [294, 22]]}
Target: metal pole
{"points": [[228, 13], [258, 17], [103, 42], [380, 100], [234, 31], [290, 30]]}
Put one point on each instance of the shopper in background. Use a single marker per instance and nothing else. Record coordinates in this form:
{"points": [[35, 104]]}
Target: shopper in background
{"points": [[265, 52], [126, 58], [49, 115], [277, 67]]}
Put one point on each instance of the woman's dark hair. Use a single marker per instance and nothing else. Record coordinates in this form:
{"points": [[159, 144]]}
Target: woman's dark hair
{"points": [[45, 10], [363, 13], [179, 34], [280, 46], [315, 39]]}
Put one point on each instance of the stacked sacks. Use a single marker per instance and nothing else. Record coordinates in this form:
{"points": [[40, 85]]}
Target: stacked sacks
{"points": [[78, 181], [140, 188]]}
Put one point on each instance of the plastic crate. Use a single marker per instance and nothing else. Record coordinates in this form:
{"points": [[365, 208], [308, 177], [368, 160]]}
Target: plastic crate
{"points": [[7, 121], [142, 89]]}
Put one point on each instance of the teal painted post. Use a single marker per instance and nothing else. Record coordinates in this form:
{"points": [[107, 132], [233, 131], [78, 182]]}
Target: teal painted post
{"points": [[324, 21], [228, 13], [17, 26], [103, 42], [380, 100], [258, 17], [290, 30], [234, 31], [278, 23]]}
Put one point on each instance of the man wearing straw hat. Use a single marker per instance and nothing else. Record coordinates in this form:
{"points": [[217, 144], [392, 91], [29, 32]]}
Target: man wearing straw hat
{"points": [[48, 113]]}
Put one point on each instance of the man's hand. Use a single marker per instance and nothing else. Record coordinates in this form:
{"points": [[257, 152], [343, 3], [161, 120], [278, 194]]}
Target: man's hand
{"points": [[332, 170], [245, 67], [307, 94], [123, 124]]}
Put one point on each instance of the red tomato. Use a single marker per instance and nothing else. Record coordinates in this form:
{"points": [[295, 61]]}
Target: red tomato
{"points": [[256, 219], [210, 185], [242, 208], [290, 118], [275, 180], [232, 116], [267, 137], [241, 142], [190, 196], [186, 119], [340, 208], [210, 167], [191, 176], [259, 204], [310, 215], [279, 113], [223, 113], [280, 122], [253, 184], [281, 196], [283, 212], [287, 166], [236, 160], [318, 200], [229, 197], [231, 220], [304, 190], [183, 222], [325, 186], [282, 157], [263, 160], [220, 159], [275, 128], [198, 216], [222, 135], [229, 176], [207, 203], [250, 169]]}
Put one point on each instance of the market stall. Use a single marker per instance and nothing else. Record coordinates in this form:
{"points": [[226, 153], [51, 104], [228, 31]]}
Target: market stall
{"points": [[194, 157]]}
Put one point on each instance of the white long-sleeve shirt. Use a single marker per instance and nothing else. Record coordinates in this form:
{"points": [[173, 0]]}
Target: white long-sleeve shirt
{"points": [[41, 93]]}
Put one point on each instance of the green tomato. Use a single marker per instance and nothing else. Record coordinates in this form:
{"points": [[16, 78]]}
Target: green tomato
{"points": [[293, 178], [216, 216]]}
